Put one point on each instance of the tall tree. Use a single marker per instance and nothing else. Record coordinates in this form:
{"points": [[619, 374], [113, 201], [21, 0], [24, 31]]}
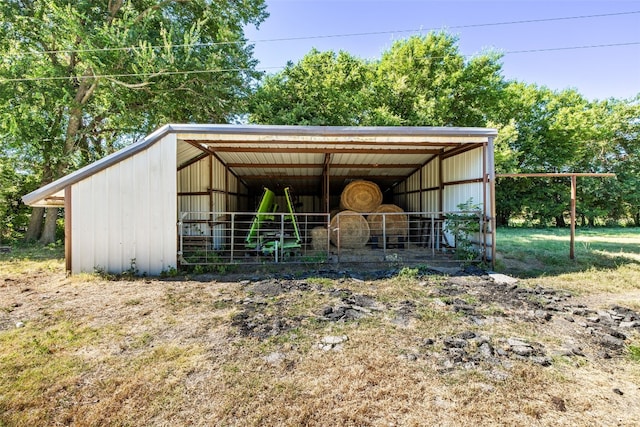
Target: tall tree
{"points": [[614, 146], [426, 81], [545, 131], [80, 78], [420, 81], [323, 88]]}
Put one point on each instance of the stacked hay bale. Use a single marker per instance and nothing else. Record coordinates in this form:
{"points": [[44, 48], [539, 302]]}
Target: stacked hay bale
{"points": [[361, 196], [319, 240], [393, 226], [349, 229]]}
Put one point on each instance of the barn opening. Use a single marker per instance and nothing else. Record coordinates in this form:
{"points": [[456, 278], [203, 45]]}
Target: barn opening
{"points": [[207, 194]]}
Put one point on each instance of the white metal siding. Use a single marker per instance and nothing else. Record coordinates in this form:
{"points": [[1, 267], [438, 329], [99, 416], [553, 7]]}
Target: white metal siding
{"points": [[463, 166], [430, 201], [218, 175], [430, 174], [457, 194], [127, 212], [194, 177]]}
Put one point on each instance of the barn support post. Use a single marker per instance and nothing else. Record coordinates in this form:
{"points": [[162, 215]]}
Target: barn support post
{"points": [[574, 188], [67, 230], [210, 191], [485, 213], [325, 183], [492, 198], [421, 186], [440, 186], [572, 244]]}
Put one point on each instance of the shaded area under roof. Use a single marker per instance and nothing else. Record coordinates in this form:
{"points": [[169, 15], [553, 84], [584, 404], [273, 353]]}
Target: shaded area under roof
{"points": [[265, 155]]}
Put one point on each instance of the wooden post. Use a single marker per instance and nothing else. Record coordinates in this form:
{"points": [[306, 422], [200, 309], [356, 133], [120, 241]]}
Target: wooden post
{"points": [[67, 230], [572, 254], [574, 185], [326, 183]]}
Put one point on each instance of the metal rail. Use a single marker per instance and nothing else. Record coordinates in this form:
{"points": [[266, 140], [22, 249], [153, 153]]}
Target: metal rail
{"points": [[219, 238]]}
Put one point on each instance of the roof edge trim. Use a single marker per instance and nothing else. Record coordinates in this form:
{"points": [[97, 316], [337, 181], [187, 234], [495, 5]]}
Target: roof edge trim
{"points": [[45, 191], [335, 130]]}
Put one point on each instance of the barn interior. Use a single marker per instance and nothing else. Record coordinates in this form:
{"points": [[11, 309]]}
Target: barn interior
{"points": [[225, 214]]}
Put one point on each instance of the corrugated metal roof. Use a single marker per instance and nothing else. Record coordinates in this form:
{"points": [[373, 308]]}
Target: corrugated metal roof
{"points": [[300, 151]]}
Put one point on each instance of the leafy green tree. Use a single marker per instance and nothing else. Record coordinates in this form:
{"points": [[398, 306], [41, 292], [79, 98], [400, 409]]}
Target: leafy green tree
{"points": [[323, 89], [614, 147], [79, 79], [426, 81], [546, 131], [420, 81]]}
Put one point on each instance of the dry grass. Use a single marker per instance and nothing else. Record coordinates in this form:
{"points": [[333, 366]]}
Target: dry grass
{"points": [[167, 352]]}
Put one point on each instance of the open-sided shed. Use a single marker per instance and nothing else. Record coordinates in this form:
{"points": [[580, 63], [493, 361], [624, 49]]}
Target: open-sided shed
{"points": [[131, 204]]}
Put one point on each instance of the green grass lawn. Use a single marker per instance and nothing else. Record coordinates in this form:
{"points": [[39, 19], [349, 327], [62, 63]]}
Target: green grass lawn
{"points": [[604, 257]]}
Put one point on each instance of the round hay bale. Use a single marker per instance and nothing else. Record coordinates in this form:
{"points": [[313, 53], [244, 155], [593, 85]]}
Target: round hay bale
{"points": [[361, 196], [319, 240], [349, 230], [395, 225]]}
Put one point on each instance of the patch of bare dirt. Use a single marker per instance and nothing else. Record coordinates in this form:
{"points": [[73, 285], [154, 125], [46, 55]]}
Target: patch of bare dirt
{"points": [[491, 326]]}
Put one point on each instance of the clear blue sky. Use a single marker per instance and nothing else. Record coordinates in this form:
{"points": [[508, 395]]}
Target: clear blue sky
{"points": [[597, 73]]}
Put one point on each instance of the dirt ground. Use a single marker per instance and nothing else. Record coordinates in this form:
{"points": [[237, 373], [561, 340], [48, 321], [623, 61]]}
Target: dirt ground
{"points": [[324, 347]]}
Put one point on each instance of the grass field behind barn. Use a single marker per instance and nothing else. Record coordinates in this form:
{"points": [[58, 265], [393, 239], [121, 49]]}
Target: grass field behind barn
{"points": [[259, 348]]}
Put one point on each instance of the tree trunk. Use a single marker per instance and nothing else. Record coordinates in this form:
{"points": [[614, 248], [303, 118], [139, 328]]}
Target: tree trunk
{"points": [[35, 225], [560, 221], [49, 230]]}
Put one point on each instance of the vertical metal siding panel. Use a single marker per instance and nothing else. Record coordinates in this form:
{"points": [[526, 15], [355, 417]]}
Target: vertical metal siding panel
{"points": [[185, 184], [101, 221], [81, 228], [431, 201], [140, 165], [457, 194], [413, 202], [153, 261], [194, 177], [413, 183], [464, 166], [218, 202], [194, 172], [219, 172], [429, 174], [115, 215], [128, 206], [167, 201]]}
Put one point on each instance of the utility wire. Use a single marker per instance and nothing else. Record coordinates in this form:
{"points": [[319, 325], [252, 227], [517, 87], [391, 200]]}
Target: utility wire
{"points": [[552, 49], [225, 70], [328, 36]]}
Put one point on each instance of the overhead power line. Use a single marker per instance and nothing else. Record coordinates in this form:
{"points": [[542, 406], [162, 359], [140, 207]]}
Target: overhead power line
{"points": [[552, 49], [226, 70], [328, 36]]}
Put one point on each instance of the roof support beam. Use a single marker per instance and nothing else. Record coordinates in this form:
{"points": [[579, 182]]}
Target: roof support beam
{"points": [[193, 160], [397, 151], [461, 149], [236, 143], [213, 154], [299, 177], [319, 166]]}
